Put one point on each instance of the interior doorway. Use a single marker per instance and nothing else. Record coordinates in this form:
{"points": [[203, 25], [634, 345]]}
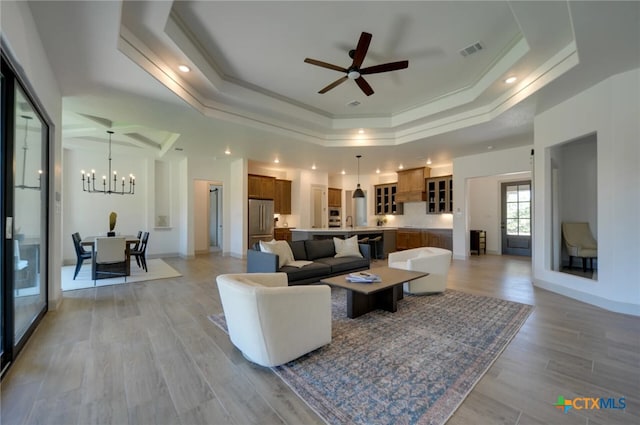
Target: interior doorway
{"points": [[516, 218], [215, 218]]}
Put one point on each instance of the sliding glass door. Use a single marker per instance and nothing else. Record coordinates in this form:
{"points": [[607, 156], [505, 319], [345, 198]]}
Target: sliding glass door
{"points": [[24, 158]]}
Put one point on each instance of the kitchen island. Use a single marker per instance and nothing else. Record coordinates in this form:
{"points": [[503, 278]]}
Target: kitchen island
{"points": [[386, 244]]}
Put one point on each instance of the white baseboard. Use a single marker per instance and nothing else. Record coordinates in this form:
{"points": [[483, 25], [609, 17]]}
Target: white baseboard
{"points": [[607, 304]]}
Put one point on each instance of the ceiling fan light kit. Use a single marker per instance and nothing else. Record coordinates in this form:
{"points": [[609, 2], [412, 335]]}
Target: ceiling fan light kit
{"points": [[354, 72]]}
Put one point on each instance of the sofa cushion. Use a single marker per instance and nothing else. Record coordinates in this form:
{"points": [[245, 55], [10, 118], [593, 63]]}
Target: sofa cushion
{"points": [[280, 248], [344, 264], [318, 270], [347, 247], [297, 247], [319, 248]]}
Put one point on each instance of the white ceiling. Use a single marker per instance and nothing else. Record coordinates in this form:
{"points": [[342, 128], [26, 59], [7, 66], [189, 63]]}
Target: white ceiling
{"points": [[250, 91]]}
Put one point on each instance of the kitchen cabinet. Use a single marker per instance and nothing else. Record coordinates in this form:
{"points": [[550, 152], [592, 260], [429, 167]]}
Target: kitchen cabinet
{"points": [[335, 197], [408, 238], [411, 185], [282, 199], [440, 195], [261, 187], [385, 202], [282, 233]]}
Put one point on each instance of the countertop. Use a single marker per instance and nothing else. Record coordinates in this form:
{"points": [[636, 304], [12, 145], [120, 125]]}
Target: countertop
{"points": [[359, 229]]}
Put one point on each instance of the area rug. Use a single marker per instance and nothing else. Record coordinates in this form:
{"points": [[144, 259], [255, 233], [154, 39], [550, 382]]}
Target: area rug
{"points": [[414, 366], [157, 269]]}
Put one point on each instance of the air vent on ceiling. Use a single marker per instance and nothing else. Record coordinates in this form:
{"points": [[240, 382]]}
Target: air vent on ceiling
{"points": [[469, 50], [353, 103]]}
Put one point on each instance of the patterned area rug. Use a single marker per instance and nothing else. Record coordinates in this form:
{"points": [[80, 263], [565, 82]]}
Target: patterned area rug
{"points": [[416, 365]]}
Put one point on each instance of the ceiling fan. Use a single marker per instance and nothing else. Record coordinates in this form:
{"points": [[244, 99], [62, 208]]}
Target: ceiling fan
{"points": [[354, 72]]}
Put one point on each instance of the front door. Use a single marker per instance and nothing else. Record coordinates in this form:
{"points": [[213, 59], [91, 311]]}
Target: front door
{"points": [[516, 218]]}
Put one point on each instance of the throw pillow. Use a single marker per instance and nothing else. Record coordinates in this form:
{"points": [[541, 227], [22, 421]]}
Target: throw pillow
{"points": [[280, 248], [347, 247]]}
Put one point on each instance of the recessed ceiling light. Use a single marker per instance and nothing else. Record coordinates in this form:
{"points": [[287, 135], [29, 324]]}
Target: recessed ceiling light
{"points": [[313, 167], [343, 172], [184, 68], [428, 161], [227, 151], [277, 161], [361, 131], [510, 80], [401, 167], [489, 147], [377, 171]]}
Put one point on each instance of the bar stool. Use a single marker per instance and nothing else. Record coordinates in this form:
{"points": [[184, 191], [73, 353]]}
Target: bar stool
{"points": [[373, 242]]}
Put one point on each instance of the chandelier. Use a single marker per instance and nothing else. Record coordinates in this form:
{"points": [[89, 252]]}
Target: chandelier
{"points": [[109, 186], [25, 149]]}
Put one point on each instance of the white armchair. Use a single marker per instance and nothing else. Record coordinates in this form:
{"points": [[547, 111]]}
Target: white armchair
{"points": [[272, 323], [435, 261], [580, 243]]}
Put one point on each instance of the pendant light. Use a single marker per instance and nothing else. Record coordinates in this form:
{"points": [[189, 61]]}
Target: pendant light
{"points": [[358, 193]]}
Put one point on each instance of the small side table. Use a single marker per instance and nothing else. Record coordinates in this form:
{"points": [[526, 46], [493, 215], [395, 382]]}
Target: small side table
{"points": [[478, 242]]}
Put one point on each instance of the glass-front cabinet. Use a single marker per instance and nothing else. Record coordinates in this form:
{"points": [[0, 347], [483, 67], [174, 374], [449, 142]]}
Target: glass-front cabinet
{"points": [[439, 195], [385, 201]]}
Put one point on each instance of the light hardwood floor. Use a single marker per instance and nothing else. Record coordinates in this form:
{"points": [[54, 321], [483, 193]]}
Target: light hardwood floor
{"points": [[145, 353]]}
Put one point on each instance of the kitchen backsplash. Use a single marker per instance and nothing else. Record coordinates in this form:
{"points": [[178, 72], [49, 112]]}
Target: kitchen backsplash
{"points": [[415, 215]]}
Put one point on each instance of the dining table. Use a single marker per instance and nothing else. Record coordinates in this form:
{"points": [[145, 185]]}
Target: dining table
{"points": [[130, 240]]}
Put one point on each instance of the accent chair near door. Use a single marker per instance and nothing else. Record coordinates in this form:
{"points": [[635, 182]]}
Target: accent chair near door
{"points": [[580, 243]]}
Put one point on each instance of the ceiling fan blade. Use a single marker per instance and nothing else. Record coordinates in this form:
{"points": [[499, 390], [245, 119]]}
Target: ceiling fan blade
{"points": [[332, 85], [364, 86], [325, 65], [385, 67], [361, 50]]}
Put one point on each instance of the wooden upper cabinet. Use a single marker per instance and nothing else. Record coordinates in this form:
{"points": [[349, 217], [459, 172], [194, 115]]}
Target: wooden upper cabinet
{"points": [[335, 197], [411, 185], [282, 200], [261, 187]]}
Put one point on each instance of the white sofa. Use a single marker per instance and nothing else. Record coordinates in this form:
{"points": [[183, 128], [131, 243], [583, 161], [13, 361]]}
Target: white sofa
{"points": [[272, 323], [435, 261]]}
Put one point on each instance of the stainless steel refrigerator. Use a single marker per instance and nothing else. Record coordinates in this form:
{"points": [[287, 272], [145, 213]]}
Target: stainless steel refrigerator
{"points": [[260, 220]]}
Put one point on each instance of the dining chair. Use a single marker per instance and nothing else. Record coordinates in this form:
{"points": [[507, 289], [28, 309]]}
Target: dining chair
{"points": [[81, 253], [138, 236], [110, 258], [140, 252]]}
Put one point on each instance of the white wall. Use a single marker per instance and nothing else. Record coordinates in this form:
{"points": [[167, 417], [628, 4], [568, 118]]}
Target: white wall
{"points": [[23, 43], [236, 198], [505, 161], [610, 109]]}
